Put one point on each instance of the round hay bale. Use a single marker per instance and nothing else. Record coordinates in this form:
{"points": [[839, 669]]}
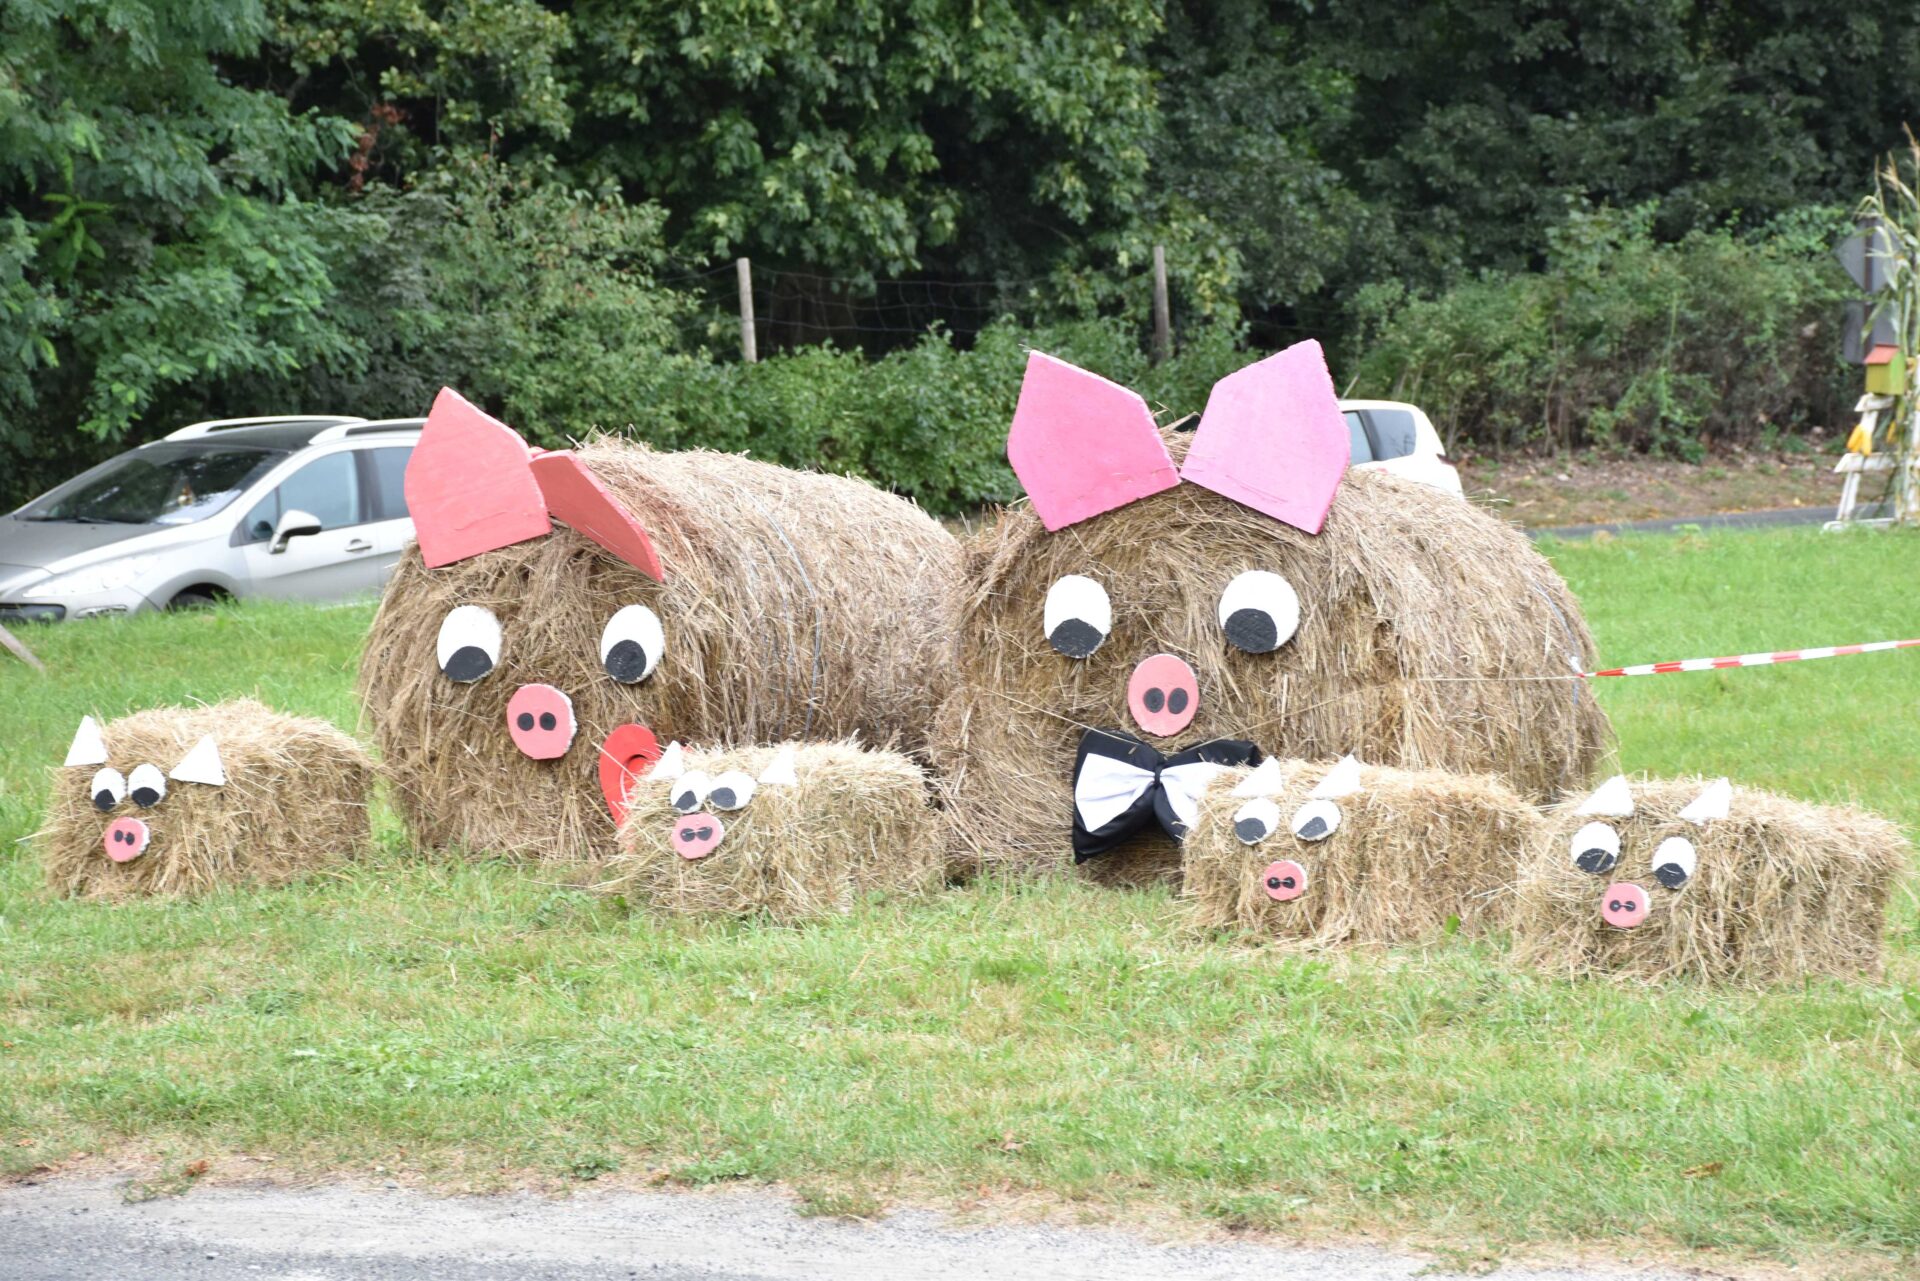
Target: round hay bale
{"points": [[1431, 636], [854, 823], [1780, 891], [796, 605], [294, 799], [1412, 850]]}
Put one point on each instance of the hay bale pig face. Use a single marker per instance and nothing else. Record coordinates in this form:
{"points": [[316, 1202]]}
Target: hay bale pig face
{"points": [[523, 673], [1662, 878], [1173, 604], [791, 832], [175, 800], [1327, 856]]}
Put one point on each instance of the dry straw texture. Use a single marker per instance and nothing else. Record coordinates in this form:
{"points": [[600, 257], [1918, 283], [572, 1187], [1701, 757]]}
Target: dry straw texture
{"points": [[1427, 627], [1782, 891], [1414, 848], [857, 823], [796, 605], [295, 799]]}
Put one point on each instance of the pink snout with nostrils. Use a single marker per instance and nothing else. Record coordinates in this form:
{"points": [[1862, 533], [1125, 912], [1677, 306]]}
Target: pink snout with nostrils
{"points": [[540, 721], [125, 839], [1163, 694], [696, 835], [1623, 905]]}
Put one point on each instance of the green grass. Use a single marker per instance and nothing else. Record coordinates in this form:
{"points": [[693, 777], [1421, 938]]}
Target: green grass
{"points": [[477, 1022]]}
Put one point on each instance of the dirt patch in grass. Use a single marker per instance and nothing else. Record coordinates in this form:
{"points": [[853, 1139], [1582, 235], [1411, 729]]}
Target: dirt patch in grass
{"points": [[1594, 488]]}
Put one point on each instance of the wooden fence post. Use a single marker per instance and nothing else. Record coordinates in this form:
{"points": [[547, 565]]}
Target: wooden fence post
{"points": [[748, 349], [1162, 319]]}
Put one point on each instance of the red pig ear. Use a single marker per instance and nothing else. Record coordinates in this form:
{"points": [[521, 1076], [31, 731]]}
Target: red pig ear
{"points": [[576, 496], [469, 484]]}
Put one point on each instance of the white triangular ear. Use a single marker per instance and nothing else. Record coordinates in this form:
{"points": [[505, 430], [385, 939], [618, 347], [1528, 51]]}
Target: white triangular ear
{"points": [[1266, 780], [1342, 780], [779, 770], [1715, 799], [201, 765], [1609, 800], [671, 765], [89, 747]]}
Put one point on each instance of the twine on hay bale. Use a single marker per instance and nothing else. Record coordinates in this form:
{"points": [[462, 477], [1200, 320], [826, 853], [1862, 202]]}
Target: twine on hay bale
{"points": [[855, 823], [1781, 891], [1432, 636], [1413, 849], [294, 800], [797, 605]]}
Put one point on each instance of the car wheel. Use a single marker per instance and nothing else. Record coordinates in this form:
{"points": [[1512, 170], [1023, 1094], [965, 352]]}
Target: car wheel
{"points": [[194, 598]]}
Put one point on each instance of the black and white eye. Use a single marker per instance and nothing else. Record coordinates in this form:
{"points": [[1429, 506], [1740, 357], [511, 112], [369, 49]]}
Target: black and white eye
{"points": [[1255, 821], [631, 644], [1259, 611], [469, 644], [1673, 862], [108, 789], [147, 785], [731, 790], [1316, 820], [1596, 848], [1077, 616], [690, 791]]}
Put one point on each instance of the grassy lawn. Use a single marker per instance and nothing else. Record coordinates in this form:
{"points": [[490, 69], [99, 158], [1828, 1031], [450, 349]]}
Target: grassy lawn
{"points": [[482, 1024]]}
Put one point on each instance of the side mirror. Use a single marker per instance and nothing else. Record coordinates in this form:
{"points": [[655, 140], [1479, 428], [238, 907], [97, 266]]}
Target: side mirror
{"points": [[293, 524]]}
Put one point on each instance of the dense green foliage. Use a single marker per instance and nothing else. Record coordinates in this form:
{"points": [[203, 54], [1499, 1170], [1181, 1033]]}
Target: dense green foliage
{"points": [[230, 206]]}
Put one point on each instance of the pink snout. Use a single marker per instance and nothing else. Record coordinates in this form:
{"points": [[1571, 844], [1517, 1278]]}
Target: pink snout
{"points": [[540, 721], [1284, 880], [696, 835], [1624, 905], [126, 839], [1163, 694]]}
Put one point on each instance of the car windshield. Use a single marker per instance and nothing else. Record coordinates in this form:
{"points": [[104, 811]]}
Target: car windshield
{"points": [[161, 484]]}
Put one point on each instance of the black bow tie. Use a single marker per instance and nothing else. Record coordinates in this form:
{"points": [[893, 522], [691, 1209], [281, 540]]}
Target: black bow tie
{"points": [[1121, 784]]}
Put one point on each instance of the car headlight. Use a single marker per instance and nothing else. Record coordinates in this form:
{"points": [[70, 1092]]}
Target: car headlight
{"points": [[113, 576]]}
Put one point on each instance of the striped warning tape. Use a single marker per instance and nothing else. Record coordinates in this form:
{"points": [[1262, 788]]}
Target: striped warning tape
{"points": [[1753, 660]]}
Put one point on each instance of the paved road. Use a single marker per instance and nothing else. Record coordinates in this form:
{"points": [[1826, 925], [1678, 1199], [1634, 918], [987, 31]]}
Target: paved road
{"points": [[1725, 520], [70, 1230]]}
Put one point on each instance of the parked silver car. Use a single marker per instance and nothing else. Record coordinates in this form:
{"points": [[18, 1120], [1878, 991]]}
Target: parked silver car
{"points": [[306, 508]]}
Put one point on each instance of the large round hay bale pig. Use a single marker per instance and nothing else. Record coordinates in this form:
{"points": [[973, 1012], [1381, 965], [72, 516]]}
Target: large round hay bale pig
{"points": [[1166, 605], [568, 614]]}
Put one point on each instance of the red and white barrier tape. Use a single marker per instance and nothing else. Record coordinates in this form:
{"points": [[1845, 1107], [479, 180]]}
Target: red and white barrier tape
{"points": [[1753, 660]]}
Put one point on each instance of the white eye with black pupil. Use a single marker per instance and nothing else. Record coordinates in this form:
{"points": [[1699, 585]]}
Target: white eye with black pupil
{"points": [[731, 790], [108, 788], [690, 791], [148, 785], [469, 643], [1596, 848], [1673, 862], [1259, 611], [1316, 820], [631, 644], [1077, 616], [1256, 821]]}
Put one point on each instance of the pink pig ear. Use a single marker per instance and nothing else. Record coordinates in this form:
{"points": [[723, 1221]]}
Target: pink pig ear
{"points": [[1082, 445], [1273, 438], [576, 496], [469, 485]]}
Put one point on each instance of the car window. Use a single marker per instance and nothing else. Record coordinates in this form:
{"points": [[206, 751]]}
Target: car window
{"points": [[1357, 429], [327, 489], [1394, 432], [387, 470], [160, 484]]}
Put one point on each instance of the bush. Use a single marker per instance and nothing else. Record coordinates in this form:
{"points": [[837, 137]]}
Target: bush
{"points": [[1623, 342]]}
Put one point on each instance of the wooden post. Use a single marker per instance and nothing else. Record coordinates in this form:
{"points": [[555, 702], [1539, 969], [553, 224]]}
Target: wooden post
{"points": [[748, 349], [1162, 318]]}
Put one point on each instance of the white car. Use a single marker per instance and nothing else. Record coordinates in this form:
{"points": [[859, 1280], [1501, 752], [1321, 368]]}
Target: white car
{"points": [[1392, 436], [306, 508]]}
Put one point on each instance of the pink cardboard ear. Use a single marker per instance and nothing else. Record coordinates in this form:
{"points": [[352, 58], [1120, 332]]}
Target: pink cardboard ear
{"points": [[469, 486], [576, 496], [1273, 438], [1083, 445]]}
